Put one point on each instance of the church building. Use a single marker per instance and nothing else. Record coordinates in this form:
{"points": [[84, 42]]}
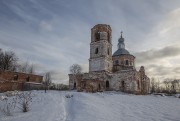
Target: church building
{"points": [[109, 71]]}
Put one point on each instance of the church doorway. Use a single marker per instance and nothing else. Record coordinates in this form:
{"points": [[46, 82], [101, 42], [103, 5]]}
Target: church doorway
{"points": [[74, 85], [107, 84], [123, 86], [99, 87]]}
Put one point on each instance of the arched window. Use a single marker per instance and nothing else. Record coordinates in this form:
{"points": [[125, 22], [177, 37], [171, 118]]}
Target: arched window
{"points": [[27, 79], [116, 62], [96, 51], [74, 85], [15, 77], [107, 84], [127, 62], [97, 36]]}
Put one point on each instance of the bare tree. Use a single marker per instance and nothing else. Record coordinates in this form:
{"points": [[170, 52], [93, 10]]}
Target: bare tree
{"points": [[31, 69], [75, 70], [152, 85], [1, 59], [26, 68], [8, 61], [23, 67], [47, 80]]}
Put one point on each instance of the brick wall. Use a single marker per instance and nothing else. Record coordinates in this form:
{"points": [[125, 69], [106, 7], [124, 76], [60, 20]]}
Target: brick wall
{"points": [[10, 86], [10, 81], [20, 77]]}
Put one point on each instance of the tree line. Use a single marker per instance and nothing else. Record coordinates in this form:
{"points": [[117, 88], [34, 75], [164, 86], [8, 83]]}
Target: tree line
{"points": [[169, 86], [10, 61]]}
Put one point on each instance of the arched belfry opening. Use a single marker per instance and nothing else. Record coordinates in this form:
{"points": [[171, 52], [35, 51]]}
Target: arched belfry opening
{"points": [[97, 36], [107, 84]]}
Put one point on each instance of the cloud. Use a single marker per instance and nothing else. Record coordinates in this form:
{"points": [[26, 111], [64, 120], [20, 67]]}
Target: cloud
{"points": [[56, 34], [160, 63], [46, 26], [59, 77], [157, 54], [169, 24], [162, 71]]}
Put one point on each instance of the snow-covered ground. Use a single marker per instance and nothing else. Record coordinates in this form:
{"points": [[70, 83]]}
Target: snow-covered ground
{"points": [[108, 106]]}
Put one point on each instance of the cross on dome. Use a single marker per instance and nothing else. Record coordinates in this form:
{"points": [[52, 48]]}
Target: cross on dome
{"points": [[121, 33]]}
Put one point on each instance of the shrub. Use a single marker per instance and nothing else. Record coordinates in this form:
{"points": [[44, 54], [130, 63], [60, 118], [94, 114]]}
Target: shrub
{"points": [[68, 95], [24, 100], [9, 106]]}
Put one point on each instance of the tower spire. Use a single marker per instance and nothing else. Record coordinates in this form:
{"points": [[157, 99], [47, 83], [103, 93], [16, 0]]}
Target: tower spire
{"points": [[121, 44]]}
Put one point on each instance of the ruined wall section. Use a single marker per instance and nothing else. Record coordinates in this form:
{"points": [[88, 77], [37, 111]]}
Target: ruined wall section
{"points": [[75, 81], [124, 81]]}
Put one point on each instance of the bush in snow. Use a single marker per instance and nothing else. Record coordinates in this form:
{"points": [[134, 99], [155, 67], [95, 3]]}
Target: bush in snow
{"points": [[177, 95], [9, 106], [68, 95], [11, 93], [3, 97], [24, 100]]}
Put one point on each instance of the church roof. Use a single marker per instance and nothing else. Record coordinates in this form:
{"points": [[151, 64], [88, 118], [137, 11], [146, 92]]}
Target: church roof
{"points": [[121, 51], [121, 48]]}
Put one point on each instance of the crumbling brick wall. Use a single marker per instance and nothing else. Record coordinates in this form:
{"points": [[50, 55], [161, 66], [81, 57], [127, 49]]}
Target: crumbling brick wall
{"points": [[20, 77], [10, 86], [15, 80]]}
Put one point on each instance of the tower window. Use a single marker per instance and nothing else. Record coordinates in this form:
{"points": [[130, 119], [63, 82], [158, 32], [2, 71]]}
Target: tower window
{"points": [[127, 62], [108, 37], [117, 62], [96, 51], [97, 36]]}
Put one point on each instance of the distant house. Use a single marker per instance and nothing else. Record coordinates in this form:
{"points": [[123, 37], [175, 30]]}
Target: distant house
{"points": [[10, 80]]}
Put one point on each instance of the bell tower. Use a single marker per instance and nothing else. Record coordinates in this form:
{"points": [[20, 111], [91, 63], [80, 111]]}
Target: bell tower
{"points": [[100, 48]]}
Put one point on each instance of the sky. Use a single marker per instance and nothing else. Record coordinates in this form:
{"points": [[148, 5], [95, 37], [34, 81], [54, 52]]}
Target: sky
{"points": [[54, 34]]}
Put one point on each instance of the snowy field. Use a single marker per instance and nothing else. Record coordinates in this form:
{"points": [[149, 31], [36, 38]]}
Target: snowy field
{"points": [[108, 106]]}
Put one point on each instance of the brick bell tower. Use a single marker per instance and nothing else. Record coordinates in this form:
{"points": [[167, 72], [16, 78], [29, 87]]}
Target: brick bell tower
{"points": [[100, 48]]}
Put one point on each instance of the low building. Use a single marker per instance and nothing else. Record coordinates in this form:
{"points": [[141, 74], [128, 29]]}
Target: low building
{"points": [[10, 80]]}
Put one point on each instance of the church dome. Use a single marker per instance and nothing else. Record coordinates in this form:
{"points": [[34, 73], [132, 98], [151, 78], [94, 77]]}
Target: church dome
{"points": [[121, 48], [121, 51]]}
